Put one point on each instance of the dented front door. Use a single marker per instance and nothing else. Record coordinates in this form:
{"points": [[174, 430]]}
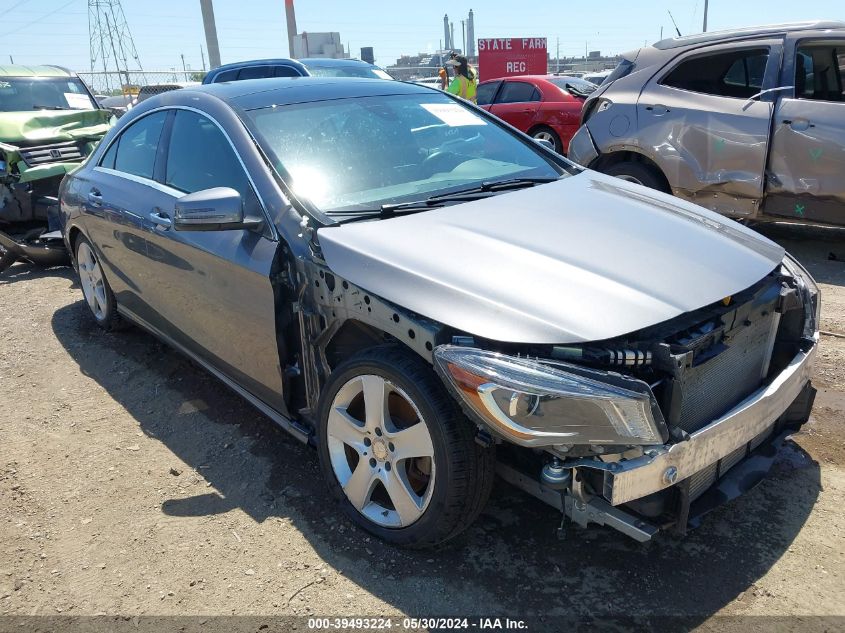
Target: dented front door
{"points": [[711, 147], [806, 174]]}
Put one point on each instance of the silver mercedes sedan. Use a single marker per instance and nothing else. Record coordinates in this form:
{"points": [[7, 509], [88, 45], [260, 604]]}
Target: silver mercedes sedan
{"points": [[429, 297]]}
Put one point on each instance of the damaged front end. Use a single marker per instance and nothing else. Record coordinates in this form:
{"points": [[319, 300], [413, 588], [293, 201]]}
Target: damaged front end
{"points": [[651, 430], [37, 149]]}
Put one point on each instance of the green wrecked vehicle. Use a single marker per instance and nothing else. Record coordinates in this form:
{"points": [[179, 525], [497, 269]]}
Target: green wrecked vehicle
{"points": [[49, 123]]}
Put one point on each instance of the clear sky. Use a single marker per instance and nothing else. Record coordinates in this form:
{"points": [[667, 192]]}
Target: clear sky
{"points": [[56, 31]]}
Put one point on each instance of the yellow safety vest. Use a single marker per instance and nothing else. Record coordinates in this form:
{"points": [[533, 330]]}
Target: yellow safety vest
{"points": [[463, 87]]}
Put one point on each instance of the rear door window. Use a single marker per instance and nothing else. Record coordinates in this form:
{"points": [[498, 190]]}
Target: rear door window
{"points": [[255, 72], [820, 71], [287, 71], [135, 151], [518, 92], [734, 73]]}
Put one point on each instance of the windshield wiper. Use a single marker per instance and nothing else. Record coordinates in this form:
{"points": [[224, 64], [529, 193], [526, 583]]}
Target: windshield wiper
{"points": [[48, 107], [494, 185], [484, 190]]}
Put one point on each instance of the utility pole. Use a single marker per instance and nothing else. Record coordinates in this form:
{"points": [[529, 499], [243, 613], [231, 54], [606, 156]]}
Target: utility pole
{"points": [[202, 55], [210, 33], [705, 16], [290, 17], [184, 69], [464, 36], [11, 60]]}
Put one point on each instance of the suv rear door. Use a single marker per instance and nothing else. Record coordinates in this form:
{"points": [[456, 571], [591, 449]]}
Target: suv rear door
{"points": [[698, 122], [806, 164]]}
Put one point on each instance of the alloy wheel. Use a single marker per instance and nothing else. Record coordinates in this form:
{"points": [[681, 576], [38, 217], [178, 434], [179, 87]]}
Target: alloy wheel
{"points": [[381, 451], [91, 278], [545, 136]]}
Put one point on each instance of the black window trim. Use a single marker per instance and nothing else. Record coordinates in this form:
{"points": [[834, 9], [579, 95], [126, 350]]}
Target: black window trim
{"points": [[716, 50], [164, 145], [506, 81]]}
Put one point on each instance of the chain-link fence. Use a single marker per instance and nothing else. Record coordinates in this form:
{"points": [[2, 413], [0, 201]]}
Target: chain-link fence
{"points": [[129, 83]]}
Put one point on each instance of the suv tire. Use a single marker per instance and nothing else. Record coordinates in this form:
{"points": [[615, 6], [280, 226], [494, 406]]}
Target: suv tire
{"points": [[637, 173]]}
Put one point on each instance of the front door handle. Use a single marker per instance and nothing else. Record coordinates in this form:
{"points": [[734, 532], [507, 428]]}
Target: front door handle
{"points": [[95, 198], [161, 219], [657, 109]]}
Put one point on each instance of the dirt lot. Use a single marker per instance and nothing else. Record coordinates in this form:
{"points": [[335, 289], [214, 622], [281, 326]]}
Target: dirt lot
{"points": [[133, 483]]}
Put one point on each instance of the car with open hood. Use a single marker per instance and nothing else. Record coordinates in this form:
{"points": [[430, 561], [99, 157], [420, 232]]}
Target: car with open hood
{"points": [[748, 122], [49, 123], [430, 297]]}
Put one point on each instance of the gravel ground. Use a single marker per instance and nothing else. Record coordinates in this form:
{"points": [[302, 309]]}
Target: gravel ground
{"points": [[132, 483]]}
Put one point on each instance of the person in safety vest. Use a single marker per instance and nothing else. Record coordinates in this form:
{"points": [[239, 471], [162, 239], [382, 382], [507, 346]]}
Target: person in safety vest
{"points": [[465, 82]]}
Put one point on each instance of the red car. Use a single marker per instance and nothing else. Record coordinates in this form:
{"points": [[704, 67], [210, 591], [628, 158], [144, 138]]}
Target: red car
{"points": [[547, 107]]}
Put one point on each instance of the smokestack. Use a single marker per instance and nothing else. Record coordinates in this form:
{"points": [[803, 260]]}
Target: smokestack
{"points": [[446, 31], [471, 35], [291, 19], [452, 35], [210, 33]]}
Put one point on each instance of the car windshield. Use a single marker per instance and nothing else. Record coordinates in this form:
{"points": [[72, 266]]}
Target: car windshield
{"points": [[361, 153], [349, 70], [23, 94], [574, 85]]}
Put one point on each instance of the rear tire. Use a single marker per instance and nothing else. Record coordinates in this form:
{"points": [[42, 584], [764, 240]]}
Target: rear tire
{"points": [[414, 490], [637, 173], [95, 288], [548, 134]]}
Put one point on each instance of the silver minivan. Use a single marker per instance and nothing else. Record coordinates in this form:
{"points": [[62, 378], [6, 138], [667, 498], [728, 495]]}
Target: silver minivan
{"points": [[749, 123]]}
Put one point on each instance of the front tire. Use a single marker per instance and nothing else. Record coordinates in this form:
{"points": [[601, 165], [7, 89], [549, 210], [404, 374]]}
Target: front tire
{"points": [[95, 288], [397, 452]]}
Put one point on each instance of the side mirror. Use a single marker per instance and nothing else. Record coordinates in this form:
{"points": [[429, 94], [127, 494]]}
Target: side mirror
{"points": [[545, 143], [215, 209]]}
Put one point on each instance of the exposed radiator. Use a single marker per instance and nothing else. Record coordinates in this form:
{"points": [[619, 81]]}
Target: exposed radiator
{"points": [[712, 388]]}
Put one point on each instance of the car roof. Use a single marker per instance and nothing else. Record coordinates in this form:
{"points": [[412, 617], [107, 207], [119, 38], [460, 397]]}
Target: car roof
{"points": [[259, 93], [330, 62], [771, 29], [530, 78], [17, 70]]}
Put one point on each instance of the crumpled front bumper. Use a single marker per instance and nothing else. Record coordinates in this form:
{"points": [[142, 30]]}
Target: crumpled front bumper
{"points": [[582, 149], [662, 467]]}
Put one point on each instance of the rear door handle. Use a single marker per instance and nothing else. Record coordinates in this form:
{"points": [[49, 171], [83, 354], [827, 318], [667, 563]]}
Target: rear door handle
{"points": [[95, 198], [799, 125], [161, 219]]}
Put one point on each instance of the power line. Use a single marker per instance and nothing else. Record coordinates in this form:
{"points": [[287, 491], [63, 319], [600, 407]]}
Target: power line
{"points": [[13, 7], [37, 20]]}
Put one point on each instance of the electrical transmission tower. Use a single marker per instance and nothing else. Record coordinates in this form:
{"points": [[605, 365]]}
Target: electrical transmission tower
{"points": [[112, 50]]}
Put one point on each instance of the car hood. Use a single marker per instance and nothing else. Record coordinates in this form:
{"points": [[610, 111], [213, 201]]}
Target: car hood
{"points": [[53, 126], [585, 258]]}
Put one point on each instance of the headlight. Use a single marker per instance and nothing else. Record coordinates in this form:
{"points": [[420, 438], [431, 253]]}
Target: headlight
{"points": [[811, 293], [536, 404]]}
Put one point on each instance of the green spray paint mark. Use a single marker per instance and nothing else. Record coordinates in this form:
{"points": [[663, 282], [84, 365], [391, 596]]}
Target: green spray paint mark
{"points": [[799, 209], [718, 145], [816, 153]]}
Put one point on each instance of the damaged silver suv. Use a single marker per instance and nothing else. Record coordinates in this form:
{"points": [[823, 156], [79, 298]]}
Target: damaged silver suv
{"points": [[429, 297]]}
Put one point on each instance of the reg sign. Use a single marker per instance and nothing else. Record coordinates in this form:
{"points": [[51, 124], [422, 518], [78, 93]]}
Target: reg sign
{"points": [[505, 57]]}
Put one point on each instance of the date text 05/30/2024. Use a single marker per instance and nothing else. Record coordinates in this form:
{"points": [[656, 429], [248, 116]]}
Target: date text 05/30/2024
{"points": [[415, 624]]}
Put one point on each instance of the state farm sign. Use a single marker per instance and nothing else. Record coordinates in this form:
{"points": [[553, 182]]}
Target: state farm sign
{"points": [[504, 57]]}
